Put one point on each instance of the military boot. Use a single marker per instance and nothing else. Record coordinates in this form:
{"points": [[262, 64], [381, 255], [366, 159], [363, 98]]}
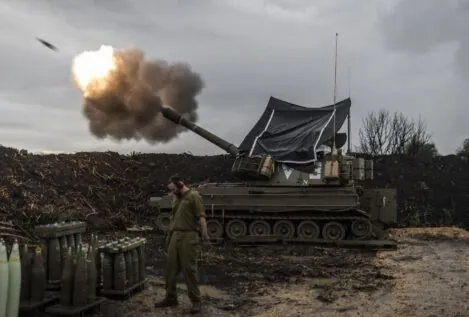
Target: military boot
{"points": [[196, 308], [166, 302]]}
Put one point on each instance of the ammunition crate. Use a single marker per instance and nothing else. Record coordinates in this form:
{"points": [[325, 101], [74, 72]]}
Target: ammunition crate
{"points": [[55, 239], [78, 289], [122, 267]]}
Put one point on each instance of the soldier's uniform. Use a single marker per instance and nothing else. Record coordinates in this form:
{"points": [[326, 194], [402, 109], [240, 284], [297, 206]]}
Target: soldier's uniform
{"points": [[184, 246]]}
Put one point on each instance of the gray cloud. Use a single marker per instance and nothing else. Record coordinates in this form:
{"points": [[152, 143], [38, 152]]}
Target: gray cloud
{"points": [[408, 58], [421, 26]]}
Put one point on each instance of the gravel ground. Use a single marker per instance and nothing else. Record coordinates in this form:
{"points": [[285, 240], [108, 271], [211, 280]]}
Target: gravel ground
{"points": [[427, 276]]}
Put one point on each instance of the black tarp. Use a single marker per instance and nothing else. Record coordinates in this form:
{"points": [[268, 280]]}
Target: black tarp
{"points": [[291, 134]]}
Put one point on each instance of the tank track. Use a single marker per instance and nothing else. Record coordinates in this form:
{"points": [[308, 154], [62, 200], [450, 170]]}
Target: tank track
{"points": [[329, 230]]}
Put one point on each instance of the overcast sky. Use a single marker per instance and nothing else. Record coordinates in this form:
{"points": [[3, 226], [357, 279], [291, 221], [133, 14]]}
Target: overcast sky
{"points": [[409, 55]]}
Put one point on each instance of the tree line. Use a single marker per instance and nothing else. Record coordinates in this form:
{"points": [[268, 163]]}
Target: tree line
{"points": [[386, 133]]}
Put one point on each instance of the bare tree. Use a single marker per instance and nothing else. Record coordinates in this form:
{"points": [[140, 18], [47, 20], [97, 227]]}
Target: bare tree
{"points": [[463, 150], [420, 141], [384, 133]]}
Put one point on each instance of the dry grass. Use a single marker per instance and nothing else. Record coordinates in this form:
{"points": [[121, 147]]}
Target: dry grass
{"points": [[441, 233]]}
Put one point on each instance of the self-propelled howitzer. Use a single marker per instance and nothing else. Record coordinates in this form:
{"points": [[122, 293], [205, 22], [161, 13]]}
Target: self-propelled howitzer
{"points": [[291, 187]]}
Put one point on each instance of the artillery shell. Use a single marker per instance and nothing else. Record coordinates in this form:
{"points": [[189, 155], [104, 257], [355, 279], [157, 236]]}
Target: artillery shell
{"points": [[141, 263], [92, 276], [45, 253], [67, 280], [38, 277], [128, 268], [3, 278], [108, 271], [71, 242], [135, 266], [99, 268], [78, 239], [119, 272], [14, 281], [63, 249], [94, 241], [80, 290], [55, 261], [25, 273]]}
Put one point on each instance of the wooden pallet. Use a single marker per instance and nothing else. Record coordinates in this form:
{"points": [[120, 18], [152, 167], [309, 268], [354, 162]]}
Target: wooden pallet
{"points": [[73, 311], [29, 309], [125, 293]]}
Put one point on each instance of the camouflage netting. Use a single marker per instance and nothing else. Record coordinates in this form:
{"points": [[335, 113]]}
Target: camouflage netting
{"points": [[112, 191]]}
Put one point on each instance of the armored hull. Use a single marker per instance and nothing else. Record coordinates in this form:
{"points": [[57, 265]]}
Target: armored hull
{"points": [[289, 213]]}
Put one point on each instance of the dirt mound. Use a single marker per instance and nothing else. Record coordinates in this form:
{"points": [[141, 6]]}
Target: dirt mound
{"points": [[106, 189], [112, 191]]}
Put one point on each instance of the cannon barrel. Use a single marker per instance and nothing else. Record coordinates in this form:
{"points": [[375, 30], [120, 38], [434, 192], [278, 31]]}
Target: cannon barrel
{"points": [[175, 117]]}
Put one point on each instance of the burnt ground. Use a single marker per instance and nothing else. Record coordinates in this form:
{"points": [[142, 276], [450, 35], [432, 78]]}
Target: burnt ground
{"points": [[427, 276]]}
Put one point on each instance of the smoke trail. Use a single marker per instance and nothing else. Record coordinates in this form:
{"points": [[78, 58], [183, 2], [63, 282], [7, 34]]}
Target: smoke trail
{"points": [[123, 93]]}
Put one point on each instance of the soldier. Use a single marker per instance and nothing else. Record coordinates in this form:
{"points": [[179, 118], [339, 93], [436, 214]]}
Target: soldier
{"points": [[187, 226]]}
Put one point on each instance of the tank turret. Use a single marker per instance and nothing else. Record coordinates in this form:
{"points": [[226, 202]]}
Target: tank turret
{"points": [[329, 169], [295, 183]]}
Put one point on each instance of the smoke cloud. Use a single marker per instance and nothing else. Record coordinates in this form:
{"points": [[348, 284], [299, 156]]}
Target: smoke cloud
{"points": [[126, 103]]}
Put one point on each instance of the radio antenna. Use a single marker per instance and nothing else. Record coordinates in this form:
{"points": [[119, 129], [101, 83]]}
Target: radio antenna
{"points": [[349, 124], [335, 92]]}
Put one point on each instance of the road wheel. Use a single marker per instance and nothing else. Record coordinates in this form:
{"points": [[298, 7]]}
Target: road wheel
{"points": [[236, 229], [334, 231], [259, 228], [284, 229], [214, 228], [308, 230], [361, 227], [163, 220]]}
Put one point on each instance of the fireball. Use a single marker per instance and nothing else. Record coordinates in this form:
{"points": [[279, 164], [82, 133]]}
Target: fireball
{"points": [[92, 70]]}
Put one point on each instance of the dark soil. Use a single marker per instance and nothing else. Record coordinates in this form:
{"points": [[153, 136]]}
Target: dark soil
{"points": [[246, 273], [422, 278]]}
